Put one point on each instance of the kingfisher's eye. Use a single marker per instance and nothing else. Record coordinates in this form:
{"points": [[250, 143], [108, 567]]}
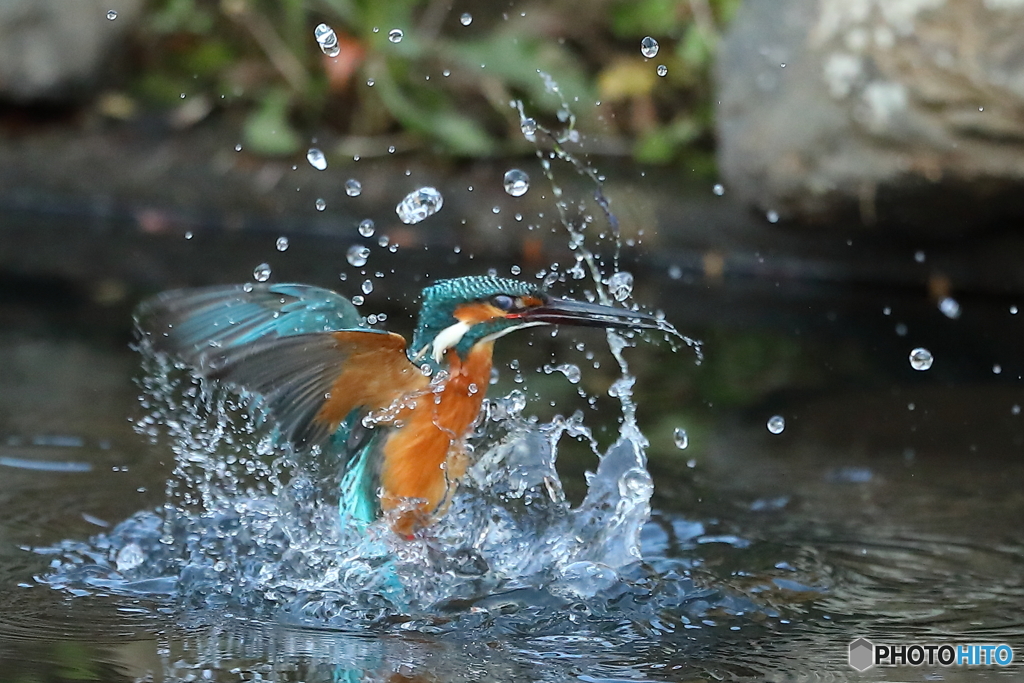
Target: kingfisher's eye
{"points": [[503, 302]]}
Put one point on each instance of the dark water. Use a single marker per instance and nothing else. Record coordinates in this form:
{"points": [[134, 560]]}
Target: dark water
{"points": [[889, 507]]}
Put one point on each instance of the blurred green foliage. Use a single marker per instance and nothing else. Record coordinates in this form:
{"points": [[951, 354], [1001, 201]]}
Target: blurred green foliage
{"points": [[446, 84]]}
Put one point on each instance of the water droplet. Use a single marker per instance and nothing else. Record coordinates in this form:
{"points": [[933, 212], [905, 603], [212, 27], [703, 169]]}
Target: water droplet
{"points": [[675, 272], [919, 256], [571, 371], [238, 147], [776, 424], [395, 35], [1013, 310], [327, 39], [997, 369], [681, 438], [718, 189], [620, 285], [950, 308], [1015, 409], [321, 204], [129, 557], [383, 240], [419, 204], [220, 565], [887, 310], [358, 300], [515, 270], [516, 182], [662, 70], [649, 47], [261, 273], [282, 244], [316, 159], [367, 287], [369, 82], [773, 216], [529, 128], [353, 188], [921, 359], [901, 330], [466, 19], [111, 14], [188, 235], [357, 255], [366, 227]]}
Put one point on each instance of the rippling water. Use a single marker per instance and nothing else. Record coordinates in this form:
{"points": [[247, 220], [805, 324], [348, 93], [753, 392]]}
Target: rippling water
{"points": [[787, 553]]}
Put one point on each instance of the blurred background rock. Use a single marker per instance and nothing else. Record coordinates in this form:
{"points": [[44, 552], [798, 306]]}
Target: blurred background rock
{"points": [[904, 112]]}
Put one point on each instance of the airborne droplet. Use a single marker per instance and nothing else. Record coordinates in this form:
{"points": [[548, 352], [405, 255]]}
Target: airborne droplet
{"points": [[776, 424], [620, 285], [367, 287], [419, 204], [357, 255], [466, 19], [681, 439], [261, 273], [395, 35], [366, 227], [950, 308], [321, 204], [111, 14], [353, 188], [649, 47], [516, 182], [529, 128], [718, 189], [327, 39], [921, 359], [316, 159], [282, 244], [662, 70]]}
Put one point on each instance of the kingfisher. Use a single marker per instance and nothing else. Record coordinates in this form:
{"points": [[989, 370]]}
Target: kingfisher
{"points": [[321, 374]]}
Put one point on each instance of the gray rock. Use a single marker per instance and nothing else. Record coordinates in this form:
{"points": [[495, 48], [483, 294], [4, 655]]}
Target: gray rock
{"points": [[55, 50], [900, 111]]}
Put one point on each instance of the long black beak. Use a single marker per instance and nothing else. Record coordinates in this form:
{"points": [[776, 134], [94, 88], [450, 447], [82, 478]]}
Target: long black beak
{"points": [[583, 314]]}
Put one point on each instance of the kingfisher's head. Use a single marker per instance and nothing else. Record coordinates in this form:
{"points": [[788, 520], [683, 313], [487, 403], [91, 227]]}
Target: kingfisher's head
{"points": [[458, 313]]}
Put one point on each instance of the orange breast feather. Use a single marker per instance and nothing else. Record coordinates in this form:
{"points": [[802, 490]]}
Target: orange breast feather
{"points": [[423, 460]]}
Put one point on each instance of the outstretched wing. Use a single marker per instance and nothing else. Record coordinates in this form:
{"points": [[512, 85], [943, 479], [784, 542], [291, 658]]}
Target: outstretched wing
{"points": [[283, 343], [191, 323]]}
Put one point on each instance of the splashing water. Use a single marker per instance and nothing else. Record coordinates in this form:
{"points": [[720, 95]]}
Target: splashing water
{"points": [[253, 526], [249, 525]]}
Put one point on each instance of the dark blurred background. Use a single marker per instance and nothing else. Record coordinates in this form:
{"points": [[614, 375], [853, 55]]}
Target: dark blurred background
{"points": [[813, 187]]}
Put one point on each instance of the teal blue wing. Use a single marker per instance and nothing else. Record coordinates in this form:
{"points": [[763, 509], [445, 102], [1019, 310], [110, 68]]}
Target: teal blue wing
{"points": [[190, 323], [300, 348]]}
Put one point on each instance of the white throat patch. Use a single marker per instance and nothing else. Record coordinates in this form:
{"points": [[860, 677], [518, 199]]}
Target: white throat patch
{"points": [[447, 338]]}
